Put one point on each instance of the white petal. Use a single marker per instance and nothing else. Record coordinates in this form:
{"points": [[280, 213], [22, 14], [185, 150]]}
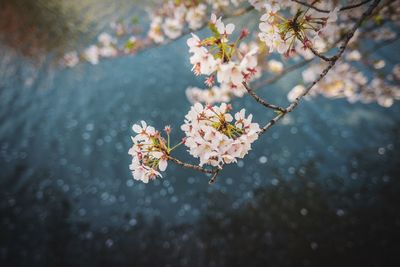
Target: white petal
{"points": [[136, 128], [220, 27], [162, 165], [237, 77], [229, 28], [264, 17], [157, 154], [213, 18]]}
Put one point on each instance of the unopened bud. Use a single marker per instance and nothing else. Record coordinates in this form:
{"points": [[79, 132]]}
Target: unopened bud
{"points": [[244, 33], [167, 129]]}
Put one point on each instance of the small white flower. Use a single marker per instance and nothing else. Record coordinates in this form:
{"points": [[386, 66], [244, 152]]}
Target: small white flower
{"points": [[295, 92], [71, 59], [149, 153], [155, 33], [275, 66], [91, 54], [172, 28], [105, 39]]}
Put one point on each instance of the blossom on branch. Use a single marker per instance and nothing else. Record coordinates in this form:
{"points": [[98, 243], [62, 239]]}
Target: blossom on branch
{"points": [[228, 63], [217, 138], [285, 35], [149, 153]]}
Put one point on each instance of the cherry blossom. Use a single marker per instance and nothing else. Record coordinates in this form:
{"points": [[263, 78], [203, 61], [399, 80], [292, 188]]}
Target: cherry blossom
{"points": [[305, 27], [91, 54], [70, 59], [275, 66], [155, 33], [214, 137], [149, 153]]}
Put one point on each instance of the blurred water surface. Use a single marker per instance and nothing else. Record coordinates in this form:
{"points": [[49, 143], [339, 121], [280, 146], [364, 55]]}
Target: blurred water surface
{"points": [[320, 188]]}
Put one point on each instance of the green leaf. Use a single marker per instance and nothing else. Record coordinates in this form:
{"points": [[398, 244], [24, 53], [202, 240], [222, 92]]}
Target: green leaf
{"points": [[214, 30]]}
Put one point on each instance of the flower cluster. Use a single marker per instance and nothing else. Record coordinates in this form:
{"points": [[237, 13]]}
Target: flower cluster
{"points": [[303, 30], [230, 64], [214, 56], [106, 47], [214, 137], [345, 81], [149, 153], [171, 18], [211, 95]]}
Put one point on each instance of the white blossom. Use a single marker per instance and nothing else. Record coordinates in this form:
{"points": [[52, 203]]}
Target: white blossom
{"points": [[70, 59], [149, 153], [91, 54], [214, 137]]}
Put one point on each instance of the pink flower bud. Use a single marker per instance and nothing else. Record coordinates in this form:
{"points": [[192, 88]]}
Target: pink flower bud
{"points": [[210, 81], [244, 33], [167, 129]]}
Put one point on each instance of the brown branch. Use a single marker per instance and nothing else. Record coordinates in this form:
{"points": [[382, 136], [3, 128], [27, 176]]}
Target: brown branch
{"points": [[335, 58], [316, 53], [191, 166], [260, 100], [327, 11], [215, 175]]}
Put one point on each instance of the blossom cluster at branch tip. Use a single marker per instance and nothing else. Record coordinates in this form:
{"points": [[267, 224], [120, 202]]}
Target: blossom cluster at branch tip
{"points": [[345, 81], [216, 137], [149, 152], [300, 32], [228, 63]]}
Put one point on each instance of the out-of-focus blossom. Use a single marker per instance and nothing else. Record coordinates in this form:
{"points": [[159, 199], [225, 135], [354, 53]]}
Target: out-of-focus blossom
{"points": [[275, 66], [91, 54], [71, 59]]}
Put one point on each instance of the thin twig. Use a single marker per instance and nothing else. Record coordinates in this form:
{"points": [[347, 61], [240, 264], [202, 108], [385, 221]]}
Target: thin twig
{"points": [[191, 166], [260, 100], [315, 52], [215, 175]]}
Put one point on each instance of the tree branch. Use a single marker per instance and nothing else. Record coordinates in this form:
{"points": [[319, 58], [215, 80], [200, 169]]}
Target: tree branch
{"points": [[316, 53], [191, 166], [335, 58], [262, 101]]}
